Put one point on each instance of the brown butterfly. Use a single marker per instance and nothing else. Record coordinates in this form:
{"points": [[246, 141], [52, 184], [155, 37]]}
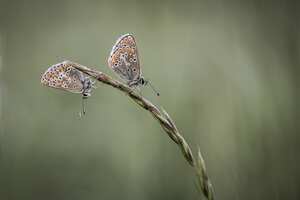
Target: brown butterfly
{"points": [[66, 77], [124, 61]]}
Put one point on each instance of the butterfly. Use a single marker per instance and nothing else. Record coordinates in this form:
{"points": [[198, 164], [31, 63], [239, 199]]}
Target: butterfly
{"points": [[66, 77], [124, 61]]}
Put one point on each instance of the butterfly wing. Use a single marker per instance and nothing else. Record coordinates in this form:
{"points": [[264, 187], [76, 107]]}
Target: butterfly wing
{"points": [[124, 59], [65, 77]]}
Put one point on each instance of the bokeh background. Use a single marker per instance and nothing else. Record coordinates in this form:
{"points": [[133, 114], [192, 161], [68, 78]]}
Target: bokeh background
{"points": [[228, 72]]}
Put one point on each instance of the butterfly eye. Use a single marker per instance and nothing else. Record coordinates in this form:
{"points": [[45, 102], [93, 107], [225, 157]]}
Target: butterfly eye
{"points": [[115, 64], [134, 60]]}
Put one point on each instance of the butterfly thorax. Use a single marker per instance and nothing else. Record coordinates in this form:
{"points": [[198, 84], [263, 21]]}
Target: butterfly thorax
{"points": [[87, 87]]}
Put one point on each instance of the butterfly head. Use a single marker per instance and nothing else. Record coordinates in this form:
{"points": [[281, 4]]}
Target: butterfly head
{"points": [[142, 81]]}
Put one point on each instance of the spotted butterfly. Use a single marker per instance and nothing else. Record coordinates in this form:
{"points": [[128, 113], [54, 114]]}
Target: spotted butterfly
{"points": [[66, 77], [124, 61]]}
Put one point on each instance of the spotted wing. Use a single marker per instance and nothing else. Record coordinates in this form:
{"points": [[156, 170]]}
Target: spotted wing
{"points": [[124, 59], [65, 77]]}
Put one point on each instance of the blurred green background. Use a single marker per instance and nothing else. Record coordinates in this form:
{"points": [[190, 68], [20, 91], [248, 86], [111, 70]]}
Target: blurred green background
{"points": [[228, 72]]}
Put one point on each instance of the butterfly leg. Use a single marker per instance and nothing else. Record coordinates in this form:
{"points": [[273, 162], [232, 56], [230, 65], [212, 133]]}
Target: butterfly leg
{"points": [[137, 90]]}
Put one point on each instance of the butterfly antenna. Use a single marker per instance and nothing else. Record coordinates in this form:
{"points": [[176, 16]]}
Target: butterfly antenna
{"points": [[152, 87], [83, 105]]}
